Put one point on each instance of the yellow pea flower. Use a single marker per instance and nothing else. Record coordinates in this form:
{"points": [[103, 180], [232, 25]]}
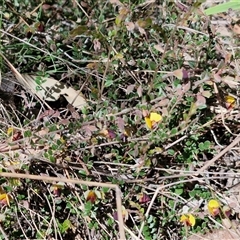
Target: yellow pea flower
{"points": [[230, 102], [188, 219], [90, 196], [152, 119], [4, 197], [213, 207]]}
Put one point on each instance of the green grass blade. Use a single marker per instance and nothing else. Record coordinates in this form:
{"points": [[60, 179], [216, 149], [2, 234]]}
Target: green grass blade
{"points": [[224, 7]]}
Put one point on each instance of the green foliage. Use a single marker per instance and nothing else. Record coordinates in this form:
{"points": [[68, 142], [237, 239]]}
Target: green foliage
{"points": [[64, 226], [130, 59], [199, 192], [204, 145], [179, 189], [27, 133]]}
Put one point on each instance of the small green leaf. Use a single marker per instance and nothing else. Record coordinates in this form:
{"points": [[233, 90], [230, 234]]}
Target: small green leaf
{"points": [[171, 152], [88, 207], [178, 191], [40, 234], [174, 131], [108, 83], [50, 152], [118, 19], [27, 133], [192, 193], [152, 65], [207, 145], [105, 189], [54, 147], [150, 219], [59, 143], [201, 146], [65, 226], [52, 159]]}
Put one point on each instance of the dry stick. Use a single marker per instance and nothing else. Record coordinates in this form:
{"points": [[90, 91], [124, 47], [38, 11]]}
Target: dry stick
{"points": [[3, 233], [79, 5], [76, 181], [214, 159]]}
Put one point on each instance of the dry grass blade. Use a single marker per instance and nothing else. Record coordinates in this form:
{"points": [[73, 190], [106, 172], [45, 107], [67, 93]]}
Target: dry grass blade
{"points": [[50, 90], [18, 76]]}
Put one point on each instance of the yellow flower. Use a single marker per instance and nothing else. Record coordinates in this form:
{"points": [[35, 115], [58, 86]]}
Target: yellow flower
{"points": [[188, 220], [230, 102], [213, 207], [4, 197], [152, 119], [90, 196], [93, 195]]}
